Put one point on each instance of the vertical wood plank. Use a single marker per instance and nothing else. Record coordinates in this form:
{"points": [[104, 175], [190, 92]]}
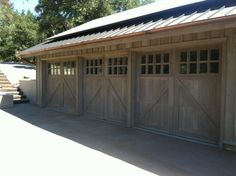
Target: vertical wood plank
{"points": [[131, 81], [77, 87], [105, 87], [80, 85], [223, 94], [175, 71], [38, 77], [229, 114], [42, 83], [234, 138]]}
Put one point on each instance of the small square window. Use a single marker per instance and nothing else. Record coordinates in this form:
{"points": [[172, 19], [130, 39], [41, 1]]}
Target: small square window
{"points": [[215, 54], [143, 69], [183, 56], [96, 62], [114, 70], [165, 69], [125, 61], [214, 67], [110, 62], [158, 58], [166, 58], [125, 70], [91, 70], [183, 68], [95, 70], [203, 68], [119, 61], [110, 70], [73, 71], [115, 61], [192, 68], [122, 61], [193, 56], [150, 69], [91, 62], [87, 63], [158, 69], [143, 61], [87, 71], [150, 59], [203, 55]]}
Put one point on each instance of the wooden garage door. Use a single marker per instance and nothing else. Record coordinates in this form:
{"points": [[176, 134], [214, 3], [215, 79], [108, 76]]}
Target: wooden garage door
{"points": [[106, 88], [61, 91], [198, 94], [155, 98], [183, 102]]}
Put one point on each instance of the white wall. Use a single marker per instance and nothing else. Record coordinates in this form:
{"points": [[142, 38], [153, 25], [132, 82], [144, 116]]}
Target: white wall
{"points": [[29, 89]]}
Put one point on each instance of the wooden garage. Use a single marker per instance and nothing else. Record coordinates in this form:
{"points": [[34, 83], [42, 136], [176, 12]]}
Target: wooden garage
{"points": [[169, 70]]}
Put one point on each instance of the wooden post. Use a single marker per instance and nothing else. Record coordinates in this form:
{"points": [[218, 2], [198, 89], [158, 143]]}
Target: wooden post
{"points": [[223, 94], [229, 131], [41, 82], [131, 88], [79, 86]]}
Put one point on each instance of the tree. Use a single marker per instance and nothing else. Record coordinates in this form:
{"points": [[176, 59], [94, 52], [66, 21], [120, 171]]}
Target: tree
{"points": [[60, 15], [17, 32], [5, 3]]}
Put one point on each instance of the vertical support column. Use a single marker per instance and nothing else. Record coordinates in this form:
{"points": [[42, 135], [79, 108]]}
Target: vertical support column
{"points": [[105, 87], [132, 70], [173, 118], [230, 92], [41, 80], [79, 86], [224, 57]]}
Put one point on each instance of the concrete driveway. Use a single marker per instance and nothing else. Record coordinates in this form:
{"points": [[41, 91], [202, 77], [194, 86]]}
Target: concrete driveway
{"points": [[39, 142]]}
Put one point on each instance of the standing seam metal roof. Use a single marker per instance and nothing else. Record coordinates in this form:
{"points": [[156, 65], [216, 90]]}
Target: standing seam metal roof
{"points": [[172, 21]]}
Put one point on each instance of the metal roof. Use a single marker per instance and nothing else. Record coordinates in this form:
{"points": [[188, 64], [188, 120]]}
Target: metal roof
{"points": [[159, 6], [149, 24]]}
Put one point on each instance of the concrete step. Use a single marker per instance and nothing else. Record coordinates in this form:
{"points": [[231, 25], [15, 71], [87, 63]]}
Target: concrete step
{"points": [[9, 89], [4, 79], [18, 97], [14, 92], [4, 83]]}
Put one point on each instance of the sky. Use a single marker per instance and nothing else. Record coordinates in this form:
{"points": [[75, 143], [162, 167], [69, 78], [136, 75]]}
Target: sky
{"points": [[30, 4], [24, 5]]}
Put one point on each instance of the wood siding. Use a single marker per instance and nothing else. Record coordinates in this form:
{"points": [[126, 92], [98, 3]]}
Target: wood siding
{"points": [[197, 107]]}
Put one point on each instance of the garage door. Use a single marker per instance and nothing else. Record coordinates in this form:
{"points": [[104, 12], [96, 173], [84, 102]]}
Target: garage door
{"points": [[181, 99], [61, 91], [105, 88]]}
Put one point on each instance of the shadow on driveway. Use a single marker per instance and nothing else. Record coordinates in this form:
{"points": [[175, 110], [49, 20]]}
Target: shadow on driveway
{"points": [[155, 153]]}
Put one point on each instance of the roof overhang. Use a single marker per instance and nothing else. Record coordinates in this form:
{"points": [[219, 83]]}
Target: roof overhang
{"points": [[214, 22]]}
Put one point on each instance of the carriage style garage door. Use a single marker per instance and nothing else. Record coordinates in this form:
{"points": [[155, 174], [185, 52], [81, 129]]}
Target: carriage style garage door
{"points": [[180, 97], [61, 91], [105, 88]]}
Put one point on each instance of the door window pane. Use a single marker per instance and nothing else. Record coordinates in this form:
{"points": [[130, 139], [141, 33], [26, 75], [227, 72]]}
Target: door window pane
{"points": [[203, 55], [214, 67], [183, 68], [192, 68], [215, 54], [203, 68]]}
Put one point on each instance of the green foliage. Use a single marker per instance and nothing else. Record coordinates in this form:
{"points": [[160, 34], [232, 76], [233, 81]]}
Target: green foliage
{"points": [[60, 15], [22, 30], [17, 32]]}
